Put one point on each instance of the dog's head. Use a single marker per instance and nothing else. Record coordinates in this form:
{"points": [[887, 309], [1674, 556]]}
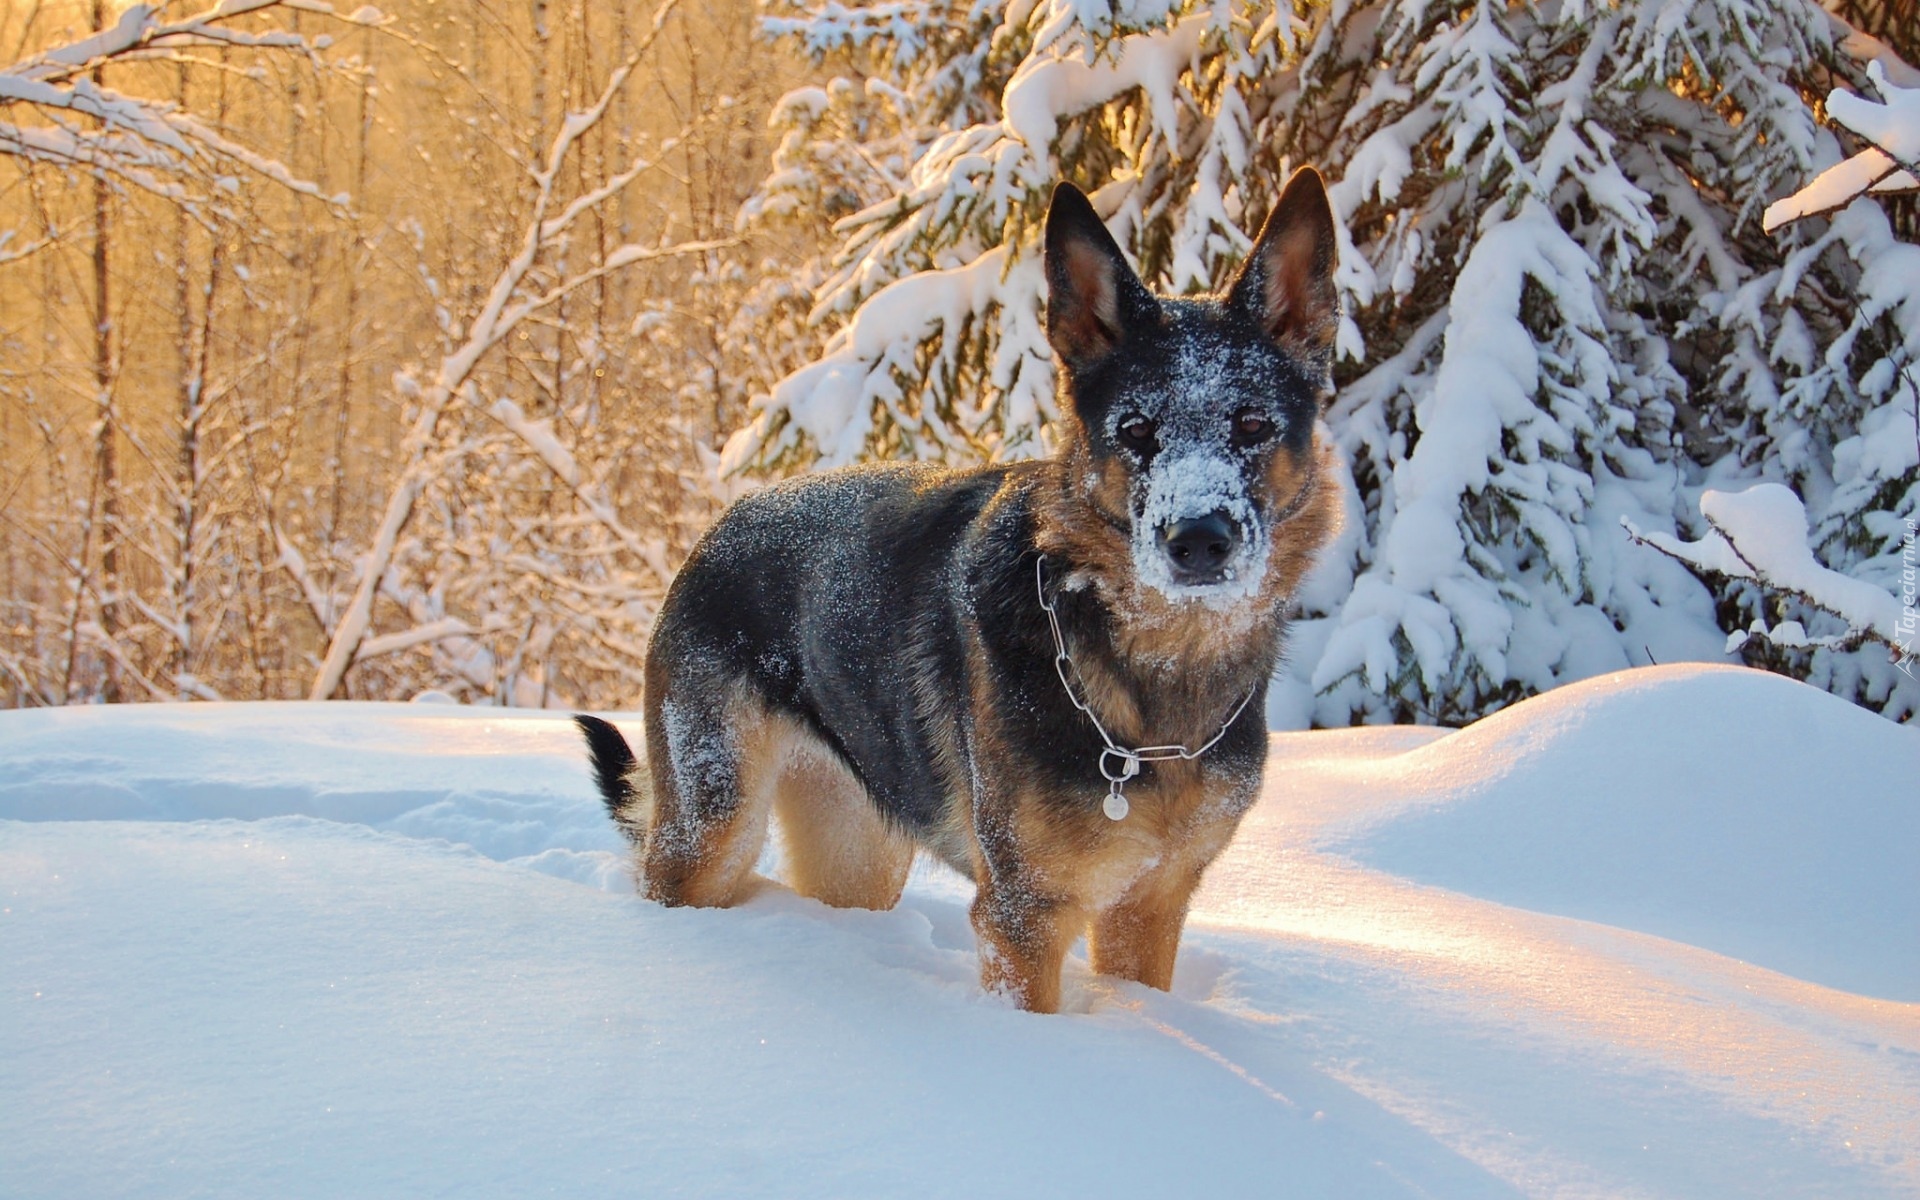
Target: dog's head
{"points": [[1193, 419]]}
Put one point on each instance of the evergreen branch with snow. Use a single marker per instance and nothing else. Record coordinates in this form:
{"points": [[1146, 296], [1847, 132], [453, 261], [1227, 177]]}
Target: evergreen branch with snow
{"points": [[1760, 535], [1889, 164]]}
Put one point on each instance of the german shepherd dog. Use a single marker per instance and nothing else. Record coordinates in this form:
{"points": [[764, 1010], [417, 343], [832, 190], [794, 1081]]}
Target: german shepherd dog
{"points": [[1052, 675]]}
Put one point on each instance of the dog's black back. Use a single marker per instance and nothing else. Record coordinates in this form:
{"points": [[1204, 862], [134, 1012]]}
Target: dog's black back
{"points": [[833, 594]]}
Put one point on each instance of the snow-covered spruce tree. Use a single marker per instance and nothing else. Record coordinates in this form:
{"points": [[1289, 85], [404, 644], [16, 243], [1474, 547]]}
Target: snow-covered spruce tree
{"points": [[1562, 312], [1761, 535]]}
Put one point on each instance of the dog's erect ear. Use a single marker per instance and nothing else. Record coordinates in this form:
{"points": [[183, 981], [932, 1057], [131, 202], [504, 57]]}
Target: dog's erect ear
{"points": [[1286, 284], [1092, 293]]}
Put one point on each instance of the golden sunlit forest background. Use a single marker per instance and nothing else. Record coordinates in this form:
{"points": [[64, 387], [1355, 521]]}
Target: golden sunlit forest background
{"points": [[214, 368], [362, 352]]}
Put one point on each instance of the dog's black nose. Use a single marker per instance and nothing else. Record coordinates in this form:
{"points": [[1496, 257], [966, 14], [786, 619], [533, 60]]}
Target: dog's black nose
{"points": [[1199, 547]]}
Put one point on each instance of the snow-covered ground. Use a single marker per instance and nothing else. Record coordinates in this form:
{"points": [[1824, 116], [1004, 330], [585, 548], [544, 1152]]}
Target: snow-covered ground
{"points": [[1655, 934]]}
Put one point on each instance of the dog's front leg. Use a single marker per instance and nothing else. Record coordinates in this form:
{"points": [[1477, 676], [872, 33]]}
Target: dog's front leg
{"points": [[1024, 920], [1139, 937], [1024, 937]]}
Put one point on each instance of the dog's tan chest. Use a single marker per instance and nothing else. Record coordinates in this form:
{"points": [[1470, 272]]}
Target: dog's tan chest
{"points": [[1177, 824], [1125, 855]]}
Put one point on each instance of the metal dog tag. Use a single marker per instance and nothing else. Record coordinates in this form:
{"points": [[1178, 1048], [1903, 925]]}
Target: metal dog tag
{"points": [[1115, 805]]}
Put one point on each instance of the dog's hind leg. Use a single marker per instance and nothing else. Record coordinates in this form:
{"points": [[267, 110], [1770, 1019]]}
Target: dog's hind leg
{"points": [[839, 849], [709, 746]]}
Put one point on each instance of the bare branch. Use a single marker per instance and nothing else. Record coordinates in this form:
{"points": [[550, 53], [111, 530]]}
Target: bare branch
{"points": [[150, 144]]}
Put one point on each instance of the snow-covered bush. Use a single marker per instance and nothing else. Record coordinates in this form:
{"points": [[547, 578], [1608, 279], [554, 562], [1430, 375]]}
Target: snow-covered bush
{"points": [[1562, 311], [1761, 535]]}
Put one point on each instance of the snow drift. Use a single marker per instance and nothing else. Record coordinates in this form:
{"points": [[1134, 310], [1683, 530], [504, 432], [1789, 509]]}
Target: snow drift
{"points": [[1652, 934]]}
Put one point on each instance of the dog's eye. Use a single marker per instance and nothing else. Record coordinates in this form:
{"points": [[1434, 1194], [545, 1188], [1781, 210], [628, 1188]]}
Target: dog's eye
{"points": [[1250, 427], [1136, 432]]}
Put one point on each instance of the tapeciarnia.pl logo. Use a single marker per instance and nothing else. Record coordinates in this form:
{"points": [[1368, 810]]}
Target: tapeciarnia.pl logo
{"points": [[1906, 634]]}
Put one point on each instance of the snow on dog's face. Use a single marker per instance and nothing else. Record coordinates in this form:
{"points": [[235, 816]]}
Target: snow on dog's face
{"points": [[1196, 416]]}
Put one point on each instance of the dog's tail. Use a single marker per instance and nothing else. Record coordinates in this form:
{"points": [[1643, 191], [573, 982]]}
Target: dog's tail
{"points": [[622, 780]]}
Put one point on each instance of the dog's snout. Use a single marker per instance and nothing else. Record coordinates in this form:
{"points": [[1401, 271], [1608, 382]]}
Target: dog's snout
{"points": [[1199, 547]]}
